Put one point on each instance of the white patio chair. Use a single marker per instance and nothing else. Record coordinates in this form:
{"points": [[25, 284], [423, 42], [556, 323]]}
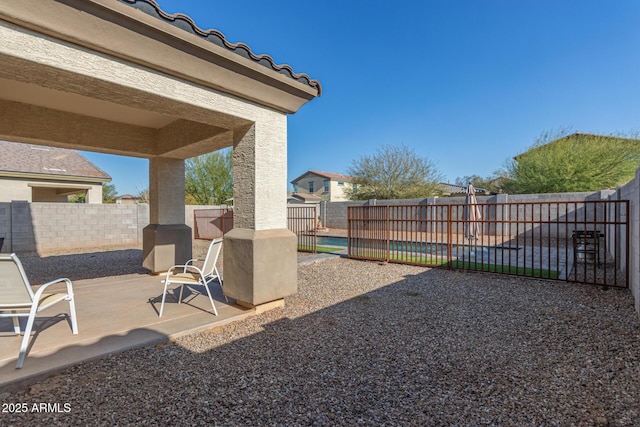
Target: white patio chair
{"points": [[189, 274], [18, 300]]}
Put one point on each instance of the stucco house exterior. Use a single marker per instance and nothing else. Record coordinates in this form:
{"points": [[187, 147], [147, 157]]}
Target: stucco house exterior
{"points": [[315, 186], [127, 199], [36, 173]]}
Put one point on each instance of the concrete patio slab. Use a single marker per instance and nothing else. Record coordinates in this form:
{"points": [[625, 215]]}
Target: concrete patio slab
{"points": [[114, 314]]}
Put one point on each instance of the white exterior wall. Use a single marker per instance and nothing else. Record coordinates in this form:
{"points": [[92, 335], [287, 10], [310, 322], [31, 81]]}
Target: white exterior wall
{"points": [[16, 189], [337, 191]]}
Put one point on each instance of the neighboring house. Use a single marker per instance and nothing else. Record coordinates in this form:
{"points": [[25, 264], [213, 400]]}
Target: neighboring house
{"points": [[126, 199], [325, 186], [36, 173]]}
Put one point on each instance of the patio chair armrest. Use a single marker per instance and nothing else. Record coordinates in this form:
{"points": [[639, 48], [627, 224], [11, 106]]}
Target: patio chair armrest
{"points": [[42, 288], [184, 267]]}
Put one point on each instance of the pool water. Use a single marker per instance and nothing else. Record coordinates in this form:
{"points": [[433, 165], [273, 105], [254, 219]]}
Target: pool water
{"points": [[417, 247]]}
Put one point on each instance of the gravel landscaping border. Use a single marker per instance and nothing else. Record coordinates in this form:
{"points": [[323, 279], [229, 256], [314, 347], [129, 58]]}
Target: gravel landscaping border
{"points": [[364, 343]]}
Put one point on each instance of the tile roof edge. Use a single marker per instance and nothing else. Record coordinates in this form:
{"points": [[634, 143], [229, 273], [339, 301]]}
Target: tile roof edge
{"points": [[233, 47]]}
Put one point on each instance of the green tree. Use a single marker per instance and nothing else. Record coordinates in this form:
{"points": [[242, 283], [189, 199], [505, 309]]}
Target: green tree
{"points": [[143, 195], [576, 162], [209, 178], [109, 192], [78, 198], [393, 172]]}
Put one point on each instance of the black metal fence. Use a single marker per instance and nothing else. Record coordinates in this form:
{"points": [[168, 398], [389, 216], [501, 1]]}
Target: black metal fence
{"points": [[213, 223], [586, 242], [302, 221]]}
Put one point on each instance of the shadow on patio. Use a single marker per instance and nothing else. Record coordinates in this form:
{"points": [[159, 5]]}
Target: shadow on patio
{"points": [[114, 314]]}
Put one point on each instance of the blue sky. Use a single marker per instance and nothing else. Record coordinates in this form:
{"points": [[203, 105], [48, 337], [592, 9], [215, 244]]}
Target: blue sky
{"points": [[466, 84]]}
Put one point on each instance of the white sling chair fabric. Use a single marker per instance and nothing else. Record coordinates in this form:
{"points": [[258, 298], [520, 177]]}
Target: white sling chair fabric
{"points": [[17, 299]]}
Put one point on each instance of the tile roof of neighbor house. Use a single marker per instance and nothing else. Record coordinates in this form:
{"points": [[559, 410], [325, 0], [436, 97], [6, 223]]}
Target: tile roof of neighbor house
{"points": [[127, 197], [185, 23], [329, 175], [305, 196], [19, 158]]}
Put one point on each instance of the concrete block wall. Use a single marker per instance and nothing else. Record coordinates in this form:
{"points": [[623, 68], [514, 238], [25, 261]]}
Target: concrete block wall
{"points": [[337, 212], [30, 227], [67, 225], [631, 192]]}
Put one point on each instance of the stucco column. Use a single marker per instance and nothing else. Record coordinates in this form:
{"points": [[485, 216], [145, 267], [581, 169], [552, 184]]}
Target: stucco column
{"points": [[260, 261], [166, 241]]}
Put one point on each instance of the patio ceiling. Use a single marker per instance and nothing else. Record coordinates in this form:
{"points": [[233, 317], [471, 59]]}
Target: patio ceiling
{"points": [[120, 77]]}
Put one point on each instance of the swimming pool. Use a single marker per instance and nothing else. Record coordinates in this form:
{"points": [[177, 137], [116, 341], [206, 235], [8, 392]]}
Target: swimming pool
{"points": [[417, 247]]}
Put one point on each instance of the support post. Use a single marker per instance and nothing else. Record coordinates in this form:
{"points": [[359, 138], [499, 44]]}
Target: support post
{"points": [[260, 261], [166, 241]]}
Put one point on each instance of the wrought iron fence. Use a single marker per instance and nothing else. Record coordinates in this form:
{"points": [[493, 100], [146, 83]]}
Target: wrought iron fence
{"points": [[213, 223], [586, 242], [302, 221]]}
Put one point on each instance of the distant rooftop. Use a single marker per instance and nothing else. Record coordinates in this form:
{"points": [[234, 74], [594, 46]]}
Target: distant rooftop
{"points": [[328, 175], [18, 158]]}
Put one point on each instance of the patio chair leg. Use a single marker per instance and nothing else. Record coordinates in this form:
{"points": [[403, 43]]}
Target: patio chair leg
{"points": [[211, 299], [164, 294], [25, 341], [16, 323], [74, 319], [180, 298]]}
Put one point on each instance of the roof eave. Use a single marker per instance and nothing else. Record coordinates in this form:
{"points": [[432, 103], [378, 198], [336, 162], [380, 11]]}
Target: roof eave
{"points": [[54, 177], [116, 28]]}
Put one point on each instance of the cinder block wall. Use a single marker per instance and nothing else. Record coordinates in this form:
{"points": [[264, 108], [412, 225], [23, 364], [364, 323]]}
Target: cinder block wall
{"points": [[631, 192], [68, 225], [31, 227]]}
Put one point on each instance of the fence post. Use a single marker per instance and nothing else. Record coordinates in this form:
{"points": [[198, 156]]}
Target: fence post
{"points": [[449, 237], [388, 255]]}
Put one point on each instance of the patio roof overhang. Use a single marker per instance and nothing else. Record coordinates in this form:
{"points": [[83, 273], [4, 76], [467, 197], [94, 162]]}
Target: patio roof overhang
{"points": [[123, 77], [115, 109]]}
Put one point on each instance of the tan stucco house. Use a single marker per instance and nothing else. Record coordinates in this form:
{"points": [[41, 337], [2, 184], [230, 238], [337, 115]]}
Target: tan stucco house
{"points": [[36, 173], [315, 186], [124, 77], [127, 199]]}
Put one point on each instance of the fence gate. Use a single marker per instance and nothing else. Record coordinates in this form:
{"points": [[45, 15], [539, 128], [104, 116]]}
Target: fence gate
{"points": [[586, 241], [302, 221], [212, 223]]}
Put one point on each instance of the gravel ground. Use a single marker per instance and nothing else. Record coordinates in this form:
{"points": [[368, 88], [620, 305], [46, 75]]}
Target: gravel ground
{"points": [[364, 343]]}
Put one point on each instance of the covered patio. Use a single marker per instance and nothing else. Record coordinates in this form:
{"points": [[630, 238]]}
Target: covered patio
{"points": [[115, 314], [124, 77]]}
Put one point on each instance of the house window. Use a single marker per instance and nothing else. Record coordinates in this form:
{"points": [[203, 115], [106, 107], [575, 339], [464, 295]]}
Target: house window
{"points": [[326, 185], [295, 188], [341, 183], [310, 186]]}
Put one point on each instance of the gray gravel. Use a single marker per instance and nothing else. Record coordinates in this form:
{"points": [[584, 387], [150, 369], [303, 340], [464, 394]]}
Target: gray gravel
{"points": [[370, 344]]}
